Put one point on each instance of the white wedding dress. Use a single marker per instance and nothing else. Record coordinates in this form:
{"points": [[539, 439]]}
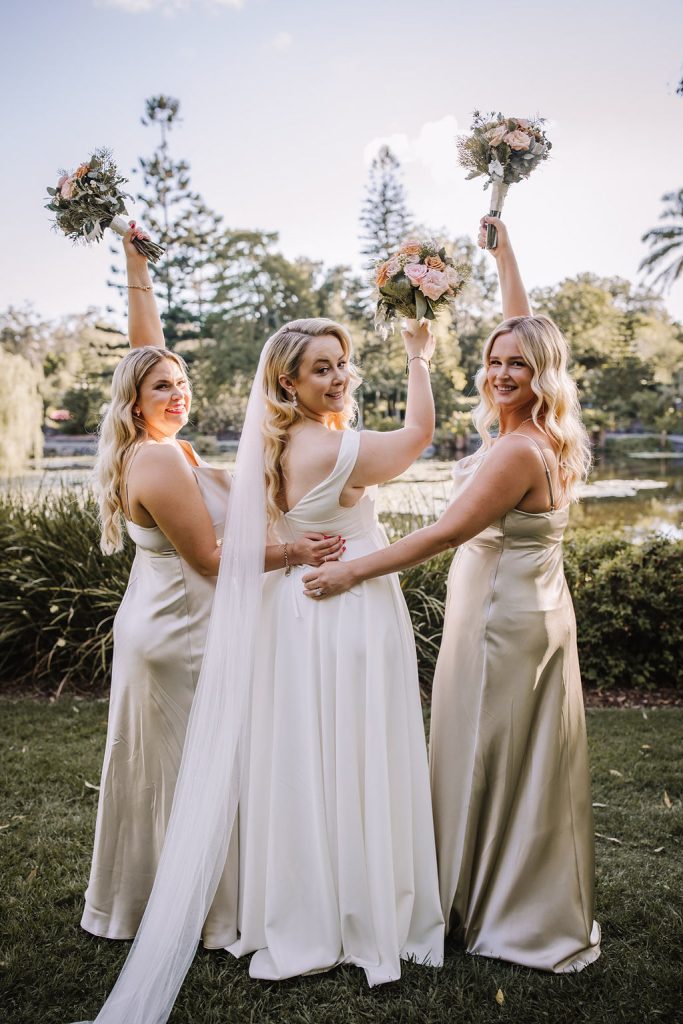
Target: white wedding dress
{"points": [[337, 860]]}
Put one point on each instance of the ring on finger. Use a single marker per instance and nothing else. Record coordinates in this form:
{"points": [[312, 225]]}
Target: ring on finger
{"points": [[318, 592]]}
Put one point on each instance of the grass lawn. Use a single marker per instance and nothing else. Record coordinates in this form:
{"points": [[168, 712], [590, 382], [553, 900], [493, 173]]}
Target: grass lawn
{"points": [[53, 973]]}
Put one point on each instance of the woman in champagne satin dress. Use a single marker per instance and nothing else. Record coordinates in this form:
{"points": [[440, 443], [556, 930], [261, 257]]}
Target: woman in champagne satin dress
{"points": [[508, 753], [173, 506]]}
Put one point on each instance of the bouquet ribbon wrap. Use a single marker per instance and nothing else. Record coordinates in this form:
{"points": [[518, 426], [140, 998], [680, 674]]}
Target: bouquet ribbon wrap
{"points": [[499, 190]]}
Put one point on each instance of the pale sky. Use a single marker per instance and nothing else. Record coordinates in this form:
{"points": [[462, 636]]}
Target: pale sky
{"points": [[283, 106]]}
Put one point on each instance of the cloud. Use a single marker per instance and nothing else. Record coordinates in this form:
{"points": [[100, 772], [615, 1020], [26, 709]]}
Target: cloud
{"points": [[433, 148], [164, 6], [282, 41]]}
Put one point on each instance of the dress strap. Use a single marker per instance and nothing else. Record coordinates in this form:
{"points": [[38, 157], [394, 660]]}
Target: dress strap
{"points": [[346, 459], [547, 470]]}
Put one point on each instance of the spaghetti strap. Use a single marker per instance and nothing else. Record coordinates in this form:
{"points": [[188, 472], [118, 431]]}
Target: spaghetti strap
{"points": [[545, 466]]}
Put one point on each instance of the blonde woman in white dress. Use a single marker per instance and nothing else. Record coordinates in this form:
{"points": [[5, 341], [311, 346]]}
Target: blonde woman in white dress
{"points": [[173, 507], [509, 764]]}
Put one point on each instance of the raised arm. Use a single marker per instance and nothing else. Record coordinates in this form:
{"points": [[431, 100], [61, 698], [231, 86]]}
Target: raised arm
{"points": [[508, 473], [384, 455], [515, 298], [144, 322]]}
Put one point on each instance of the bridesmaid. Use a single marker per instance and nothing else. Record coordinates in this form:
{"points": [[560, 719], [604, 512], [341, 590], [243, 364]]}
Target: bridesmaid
{"points": [[173, 506], [509, 764]]}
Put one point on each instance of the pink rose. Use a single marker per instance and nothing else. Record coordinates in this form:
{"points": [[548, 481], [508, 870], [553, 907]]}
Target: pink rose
{"points": [[434, 284], [495, 136], [61, 181], [413, 258], [517, 140], [453, 277], [393, 266], [416, 272], [67, 189], [523, 123]]}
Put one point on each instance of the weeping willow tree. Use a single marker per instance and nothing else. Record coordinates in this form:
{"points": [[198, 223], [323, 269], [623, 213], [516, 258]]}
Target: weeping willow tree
{"points": [[21, 412]]}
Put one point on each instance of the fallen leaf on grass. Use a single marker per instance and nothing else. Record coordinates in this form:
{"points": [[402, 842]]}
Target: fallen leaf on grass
{"points": [[659, 849], [666, 800], [645, 746], [91, 785], [30, 877], [500, 997], [613, 771], [600, 805], [610, 839]]}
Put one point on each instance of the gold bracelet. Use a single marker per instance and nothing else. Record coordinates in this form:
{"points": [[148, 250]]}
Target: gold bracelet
{"points": [[427, 362], [140, 287], [288, 568]]}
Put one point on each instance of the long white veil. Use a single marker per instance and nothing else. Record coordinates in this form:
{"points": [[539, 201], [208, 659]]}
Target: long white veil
{"points": [[207, 791]]}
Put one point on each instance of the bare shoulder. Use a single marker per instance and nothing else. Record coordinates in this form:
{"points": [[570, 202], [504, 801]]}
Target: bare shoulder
{"points": [[314, 447], [153, 459]]}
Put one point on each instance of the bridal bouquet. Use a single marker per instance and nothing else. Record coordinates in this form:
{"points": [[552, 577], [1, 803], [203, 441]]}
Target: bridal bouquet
{"points": [[90, 199], [504, 149], [417, 282]]}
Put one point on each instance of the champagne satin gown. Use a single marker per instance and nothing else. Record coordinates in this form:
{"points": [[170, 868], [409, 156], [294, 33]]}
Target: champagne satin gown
{"points": [[337, 860], [508, 753], [159, 635]]}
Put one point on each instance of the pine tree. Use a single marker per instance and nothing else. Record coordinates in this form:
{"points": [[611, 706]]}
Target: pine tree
{"points": [[180, 220], [385, 219]]}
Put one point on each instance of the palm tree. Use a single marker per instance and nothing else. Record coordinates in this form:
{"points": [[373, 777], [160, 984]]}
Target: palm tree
{"points": [[666, 240]]}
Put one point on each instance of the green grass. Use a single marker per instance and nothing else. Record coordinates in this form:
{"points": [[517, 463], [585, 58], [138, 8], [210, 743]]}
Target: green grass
{"points": [[52, 972]]}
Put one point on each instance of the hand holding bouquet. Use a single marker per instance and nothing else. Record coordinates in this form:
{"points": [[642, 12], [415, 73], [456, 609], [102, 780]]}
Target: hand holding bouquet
{"points": [[504, 149], [90, 199], [417, 282]]}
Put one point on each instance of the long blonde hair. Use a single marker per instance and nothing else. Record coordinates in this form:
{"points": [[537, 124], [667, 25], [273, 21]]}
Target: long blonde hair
{"points": [[119, 431], [287, 348], [545, 349]]}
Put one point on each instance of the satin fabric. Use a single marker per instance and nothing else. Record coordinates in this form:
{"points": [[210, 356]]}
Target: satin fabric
{"points": [[337, 860], [508, 752], [159, 635]]}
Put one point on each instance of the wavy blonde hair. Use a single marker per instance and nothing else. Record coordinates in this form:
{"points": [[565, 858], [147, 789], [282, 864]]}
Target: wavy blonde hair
{"points": [[119, 431], [287, 348], [545, 349]]}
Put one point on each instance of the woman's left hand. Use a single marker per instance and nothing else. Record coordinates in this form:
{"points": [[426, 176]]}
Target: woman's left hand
{"points": [[329, 580]]}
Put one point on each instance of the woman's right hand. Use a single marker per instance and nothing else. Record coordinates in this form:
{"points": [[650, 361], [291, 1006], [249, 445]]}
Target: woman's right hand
{"points": [[502, 242], [315, 548], [418, 339], [134, 259]]}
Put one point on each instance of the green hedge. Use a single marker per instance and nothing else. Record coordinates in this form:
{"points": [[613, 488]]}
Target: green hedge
{"points": [[59, 594]]}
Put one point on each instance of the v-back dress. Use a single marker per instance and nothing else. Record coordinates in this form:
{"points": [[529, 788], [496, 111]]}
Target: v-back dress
{"points": [[337, 860], [159, 635], [508, 752]]}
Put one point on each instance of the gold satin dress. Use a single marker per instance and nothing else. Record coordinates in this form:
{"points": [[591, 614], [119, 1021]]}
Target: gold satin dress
{"points": [[508, 752], [159, 635]]}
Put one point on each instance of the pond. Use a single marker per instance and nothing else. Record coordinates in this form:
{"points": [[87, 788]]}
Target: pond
{"points": [[640, 493]]}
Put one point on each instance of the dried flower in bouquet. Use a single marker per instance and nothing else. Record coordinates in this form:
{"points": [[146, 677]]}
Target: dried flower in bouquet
{"points": [[90, 199], [505, 150], [418, 282]]}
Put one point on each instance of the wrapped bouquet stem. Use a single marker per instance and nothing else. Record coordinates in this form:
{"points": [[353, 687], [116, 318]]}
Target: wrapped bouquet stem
{"points": [[504, 150], [90, 199]]}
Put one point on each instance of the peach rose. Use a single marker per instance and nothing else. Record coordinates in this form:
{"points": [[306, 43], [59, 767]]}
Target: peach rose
{"points": [[393, 266], [434, 284], [517, 140], [382, 275], [81, 171], [411, 247], [434, 263], [415, 272], [495, 136]]}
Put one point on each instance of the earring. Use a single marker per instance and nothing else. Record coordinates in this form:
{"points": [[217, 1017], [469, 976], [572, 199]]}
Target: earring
{"points": [[136, 412], [295, 402]]}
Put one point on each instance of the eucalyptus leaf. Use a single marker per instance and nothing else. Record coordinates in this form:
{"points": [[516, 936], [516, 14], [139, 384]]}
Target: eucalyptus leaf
{"points": [[52, 191], [421, 307]]}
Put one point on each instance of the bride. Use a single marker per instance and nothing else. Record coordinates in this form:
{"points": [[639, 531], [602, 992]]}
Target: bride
{"points": [[307, 715]]}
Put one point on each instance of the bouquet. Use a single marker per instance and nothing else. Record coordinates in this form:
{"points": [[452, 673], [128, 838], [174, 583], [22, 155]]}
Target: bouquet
{"points": [[90, 199], [417, 282], [506, 150]]}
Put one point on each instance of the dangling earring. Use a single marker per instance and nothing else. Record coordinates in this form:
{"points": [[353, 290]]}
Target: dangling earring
{"points": [[136, 412], [295, 402]]}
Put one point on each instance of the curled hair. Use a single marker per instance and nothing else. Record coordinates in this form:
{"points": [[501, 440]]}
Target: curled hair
{"points": [[119, 431], [545, 349], [287, 348]]}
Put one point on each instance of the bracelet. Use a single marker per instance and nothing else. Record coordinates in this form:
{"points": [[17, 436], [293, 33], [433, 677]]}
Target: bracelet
{"points": [[427, 362], [288, 568], [140, 287]]}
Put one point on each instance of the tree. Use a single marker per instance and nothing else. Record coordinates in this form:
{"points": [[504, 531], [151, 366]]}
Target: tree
{"points": [[385, 219], [180, 220], [21, 412], [666, 243]]}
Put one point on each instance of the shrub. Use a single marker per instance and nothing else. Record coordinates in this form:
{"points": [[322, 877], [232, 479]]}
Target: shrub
{"points": [[59, 595]]}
